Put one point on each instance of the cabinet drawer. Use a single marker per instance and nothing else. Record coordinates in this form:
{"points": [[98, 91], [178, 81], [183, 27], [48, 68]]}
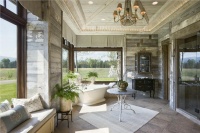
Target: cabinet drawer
{"points": [[139, 82], [148, 87], [139, 87], [148, 82]]}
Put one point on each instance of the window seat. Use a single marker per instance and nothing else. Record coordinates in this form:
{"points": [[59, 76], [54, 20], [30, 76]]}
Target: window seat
{"points": [[41, 121]]}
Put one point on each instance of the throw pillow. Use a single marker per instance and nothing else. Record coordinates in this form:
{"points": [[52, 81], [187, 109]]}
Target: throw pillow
{"points": [[32, 104], [13, 117], [4, 106]]}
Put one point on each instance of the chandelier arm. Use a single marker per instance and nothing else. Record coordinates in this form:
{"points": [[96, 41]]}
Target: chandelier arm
{"points": [[132, 21], [140, 18], [119, 18], [116, 21]]}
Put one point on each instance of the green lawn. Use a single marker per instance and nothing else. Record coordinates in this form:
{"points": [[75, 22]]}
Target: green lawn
{"points": [[7, 91]]}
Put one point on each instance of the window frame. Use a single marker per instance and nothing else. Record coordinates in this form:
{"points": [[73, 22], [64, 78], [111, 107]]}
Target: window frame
{"points": [[120, 49], [20, 21], [70, 47]]}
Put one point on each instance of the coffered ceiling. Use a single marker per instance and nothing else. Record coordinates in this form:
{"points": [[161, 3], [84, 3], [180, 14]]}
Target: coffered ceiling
{"points": [[97, 18]]}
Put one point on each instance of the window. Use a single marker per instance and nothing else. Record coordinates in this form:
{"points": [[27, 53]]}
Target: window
{"points": [[10, 5], [190, 64], [12, 50], [8, 60], [107, 63], [189, 59], [65, 64]]}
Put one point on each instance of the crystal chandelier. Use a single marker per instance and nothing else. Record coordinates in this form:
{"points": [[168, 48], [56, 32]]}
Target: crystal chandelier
{"points": [[129, 18]]}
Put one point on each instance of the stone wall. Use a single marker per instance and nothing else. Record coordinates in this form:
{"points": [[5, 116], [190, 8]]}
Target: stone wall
{"points": [[37, 57], [55, 46], [148, 43], [44, 52]]}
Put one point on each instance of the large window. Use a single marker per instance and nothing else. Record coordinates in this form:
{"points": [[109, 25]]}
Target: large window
{"points": [[189, 65], [189, 75], [107, 63], [12, 50], [8, 60]]}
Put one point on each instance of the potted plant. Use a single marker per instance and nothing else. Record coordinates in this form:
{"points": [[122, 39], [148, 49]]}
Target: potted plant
{"points": [[67, 93], [92, 76], [122, 85], [71, 76]]}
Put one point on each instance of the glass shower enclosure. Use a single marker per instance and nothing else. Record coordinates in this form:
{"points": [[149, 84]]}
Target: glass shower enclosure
{"points": [[188, 91]]}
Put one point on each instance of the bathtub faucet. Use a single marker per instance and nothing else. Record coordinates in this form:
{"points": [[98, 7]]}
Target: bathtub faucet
{"points": [[85, 86]]}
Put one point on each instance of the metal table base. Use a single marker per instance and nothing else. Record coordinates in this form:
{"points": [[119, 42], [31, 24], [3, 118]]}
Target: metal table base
{"points": [[121, 96]]}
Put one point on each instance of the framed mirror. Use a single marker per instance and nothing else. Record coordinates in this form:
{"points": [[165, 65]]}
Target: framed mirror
{"points": [[143, 62]]}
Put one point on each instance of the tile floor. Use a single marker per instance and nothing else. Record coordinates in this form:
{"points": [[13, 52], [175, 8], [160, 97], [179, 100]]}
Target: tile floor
{"points": [[167, 121]]}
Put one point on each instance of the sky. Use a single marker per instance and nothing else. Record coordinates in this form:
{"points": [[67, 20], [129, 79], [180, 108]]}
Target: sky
{"points": [[8, 38], [190, 54]]}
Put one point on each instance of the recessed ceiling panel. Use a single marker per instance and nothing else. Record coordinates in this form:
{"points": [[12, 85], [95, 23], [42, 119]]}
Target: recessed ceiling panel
{"points": [[100, 13], [97, 18]]}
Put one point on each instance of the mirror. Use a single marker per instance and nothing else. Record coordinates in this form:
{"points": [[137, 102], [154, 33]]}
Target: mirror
{"points": [[143, 62]]}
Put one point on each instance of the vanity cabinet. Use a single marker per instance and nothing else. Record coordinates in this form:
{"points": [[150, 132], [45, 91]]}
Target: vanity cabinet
{"points": [[144, 85], [143, 62]]}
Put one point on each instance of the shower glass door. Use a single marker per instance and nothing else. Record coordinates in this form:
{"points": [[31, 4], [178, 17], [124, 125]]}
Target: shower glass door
{"points": [[189, 74]]}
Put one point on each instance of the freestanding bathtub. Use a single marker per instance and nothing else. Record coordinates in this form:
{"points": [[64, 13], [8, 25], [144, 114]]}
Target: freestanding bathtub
{"points": [[92, 94]]}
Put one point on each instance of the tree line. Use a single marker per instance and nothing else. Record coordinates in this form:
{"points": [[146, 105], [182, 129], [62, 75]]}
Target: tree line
{"points": [[191, 63], [93, 63], [6, 63]]}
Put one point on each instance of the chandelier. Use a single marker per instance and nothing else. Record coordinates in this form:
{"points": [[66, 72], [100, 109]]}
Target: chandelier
{"points": [[129, 18]]}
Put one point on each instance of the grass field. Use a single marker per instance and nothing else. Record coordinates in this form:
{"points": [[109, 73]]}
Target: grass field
{"points": [[189, 74], [102, 74], [8, 91], [8, 73]]}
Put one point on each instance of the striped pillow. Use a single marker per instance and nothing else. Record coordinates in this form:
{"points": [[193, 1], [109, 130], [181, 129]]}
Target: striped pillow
{"points": [[4, 106]]}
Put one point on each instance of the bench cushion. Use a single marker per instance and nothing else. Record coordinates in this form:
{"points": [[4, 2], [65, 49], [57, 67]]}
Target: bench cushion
{"points": [[37, 119]]}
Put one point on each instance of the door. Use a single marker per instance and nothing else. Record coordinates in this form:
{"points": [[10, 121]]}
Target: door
{"points": [[166, 72], [189, 74]]}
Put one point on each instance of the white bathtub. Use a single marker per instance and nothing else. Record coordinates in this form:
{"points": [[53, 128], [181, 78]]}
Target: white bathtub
{"points": [[92, 95]]}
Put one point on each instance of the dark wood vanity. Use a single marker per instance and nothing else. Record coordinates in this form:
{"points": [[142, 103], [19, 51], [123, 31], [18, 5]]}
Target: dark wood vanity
{"points": [[145, 84], [143, 68]]}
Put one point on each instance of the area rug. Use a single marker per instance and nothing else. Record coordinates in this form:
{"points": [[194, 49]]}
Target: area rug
{"points": [[110, 119]]}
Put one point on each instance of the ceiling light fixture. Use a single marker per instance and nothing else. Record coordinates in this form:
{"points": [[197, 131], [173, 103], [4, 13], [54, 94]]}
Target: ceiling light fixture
{"points": [[130, 18], [155, 3], [103, 19], [90, 2]]}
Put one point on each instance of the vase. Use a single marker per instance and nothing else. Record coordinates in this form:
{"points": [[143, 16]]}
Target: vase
{"points": [[65, 105], [122, 87], [92, 80]]}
